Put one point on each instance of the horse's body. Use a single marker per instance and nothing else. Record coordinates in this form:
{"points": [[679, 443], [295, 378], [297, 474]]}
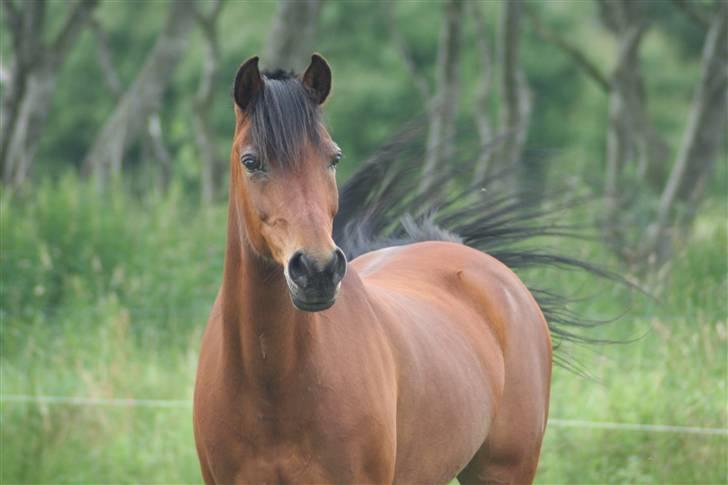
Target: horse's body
{"points": [[435, 362]]}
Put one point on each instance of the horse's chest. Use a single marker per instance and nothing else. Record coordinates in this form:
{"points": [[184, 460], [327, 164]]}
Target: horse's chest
{"points": [[247, 443], [281, 463]]}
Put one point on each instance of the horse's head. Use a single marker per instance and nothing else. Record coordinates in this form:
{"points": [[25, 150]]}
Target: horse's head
{"points": [[283, 178]]}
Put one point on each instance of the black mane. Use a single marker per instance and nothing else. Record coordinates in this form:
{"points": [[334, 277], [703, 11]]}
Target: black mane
{"points": [[379, 206], [283, 118]]}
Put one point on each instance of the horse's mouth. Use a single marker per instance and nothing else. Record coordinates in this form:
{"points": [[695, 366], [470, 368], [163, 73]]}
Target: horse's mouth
{"points": [[312, 306], [316, 300]]}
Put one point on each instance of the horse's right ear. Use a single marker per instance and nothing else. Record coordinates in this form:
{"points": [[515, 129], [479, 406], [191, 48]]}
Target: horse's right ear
{"points": [[248, 83]]}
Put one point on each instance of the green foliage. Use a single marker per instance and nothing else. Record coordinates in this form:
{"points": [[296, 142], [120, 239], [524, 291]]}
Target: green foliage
{"points": [[373, 93], [674, 373], [106, 295], [66, 248], [102, 296]]}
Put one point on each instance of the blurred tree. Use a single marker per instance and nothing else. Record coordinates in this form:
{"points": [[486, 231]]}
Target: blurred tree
{"points": [[703, 140], [126, 123], [391, 79], [516, 107], [32, 79], [153, 146], [444, 105], [293, 35], [481, 104], [693, 9], [631, 135], [211, 172]]}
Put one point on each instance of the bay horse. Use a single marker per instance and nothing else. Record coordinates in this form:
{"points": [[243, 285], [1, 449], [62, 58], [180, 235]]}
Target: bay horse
{"points": [[414, 363]]}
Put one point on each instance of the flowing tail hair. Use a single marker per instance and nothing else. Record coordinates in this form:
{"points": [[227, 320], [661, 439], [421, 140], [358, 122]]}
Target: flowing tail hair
{"points": [[381, 205]]}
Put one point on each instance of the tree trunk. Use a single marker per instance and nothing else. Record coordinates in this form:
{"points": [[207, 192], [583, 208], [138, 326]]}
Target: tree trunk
{"points": [[28, 125], [153, 147], [628, 120], [32, 80], [481, 108], [153, 141], [142, 99], [211, 172], [702, 142], [618, 153], [22, 23], [516, 108], [105, 61], [444, 106], [293, 35], [631, 136]]}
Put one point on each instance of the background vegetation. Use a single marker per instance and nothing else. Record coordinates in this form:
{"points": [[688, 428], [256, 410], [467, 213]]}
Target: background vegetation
{"points": [[108, 271]]}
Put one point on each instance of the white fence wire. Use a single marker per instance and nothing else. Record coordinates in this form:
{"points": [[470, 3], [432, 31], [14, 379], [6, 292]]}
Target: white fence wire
{"points": [[179, 403]]}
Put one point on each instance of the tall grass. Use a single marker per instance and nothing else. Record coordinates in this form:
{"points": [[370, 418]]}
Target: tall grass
{"points": [[103, 295], [675, 373], [106, 295]]}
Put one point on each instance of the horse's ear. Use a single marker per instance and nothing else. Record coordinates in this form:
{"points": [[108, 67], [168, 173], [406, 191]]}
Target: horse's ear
{"points": [[317, 78], [248, 83]]}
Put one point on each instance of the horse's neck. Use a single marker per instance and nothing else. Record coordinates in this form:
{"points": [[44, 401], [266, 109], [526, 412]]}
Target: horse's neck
{"points": [[264, 337]]}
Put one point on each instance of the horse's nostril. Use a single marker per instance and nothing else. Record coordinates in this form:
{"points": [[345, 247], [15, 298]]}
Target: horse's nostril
{"points": [[338, 266], [299, 269]]}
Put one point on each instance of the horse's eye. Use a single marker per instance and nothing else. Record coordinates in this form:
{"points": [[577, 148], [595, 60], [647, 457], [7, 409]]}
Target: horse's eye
{"points": [[251, 163], [335, 160]]}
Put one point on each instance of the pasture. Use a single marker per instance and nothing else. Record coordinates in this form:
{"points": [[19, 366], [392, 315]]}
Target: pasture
{"points": [[106, 297], [114, 146]]}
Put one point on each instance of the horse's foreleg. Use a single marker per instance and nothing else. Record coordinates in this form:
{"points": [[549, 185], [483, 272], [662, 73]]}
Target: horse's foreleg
{"points": [[514, 467]]}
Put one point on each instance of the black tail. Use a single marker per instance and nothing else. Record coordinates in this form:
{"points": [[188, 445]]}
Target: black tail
{"points": [[380, 207]]}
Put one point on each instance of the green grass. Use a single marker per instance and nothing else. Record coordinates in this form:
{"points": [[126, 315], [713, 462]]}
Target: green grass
{"points": [[675, 373], [107, 297]]}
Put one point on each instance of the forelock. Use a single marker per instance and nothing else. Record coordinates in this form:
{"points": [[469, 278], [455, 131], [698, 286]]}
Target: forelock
{"points": [[283, 118]]}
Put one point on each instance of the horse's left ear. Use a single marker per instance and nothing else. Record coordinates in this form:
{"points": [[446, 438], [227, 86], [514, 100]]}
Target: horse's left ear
{"points": [[317, 78]]}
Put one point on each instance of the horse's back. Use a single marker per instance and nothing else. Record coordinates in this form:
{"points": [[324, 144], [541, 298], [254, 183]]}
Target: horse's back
{"points": [[473, 343], [452, 278]]}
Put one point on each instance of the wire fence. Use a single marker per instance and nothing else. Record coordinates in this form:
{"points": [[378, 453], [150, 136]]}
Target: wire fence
{"points": [[180, 403]]}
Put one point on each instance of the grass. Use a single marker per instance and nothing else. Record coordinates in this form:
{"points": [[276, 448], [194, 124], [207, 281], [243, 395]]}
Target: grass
{"points": [[107, 297], [675, 373]]}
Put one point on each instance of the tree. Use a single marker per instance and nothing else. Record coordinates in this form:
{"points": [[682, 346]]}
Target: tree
{"points": [[703, 139], [480, 109], [126, 123], [211, 173], [631, 135], [516, 107], [293, 34], [32, 79], [443, 108], [153, 146]]}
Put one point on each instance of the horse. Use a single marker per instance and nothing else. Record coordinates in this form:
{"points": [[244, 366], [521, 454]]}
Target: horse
{"points": [[417, 362]]}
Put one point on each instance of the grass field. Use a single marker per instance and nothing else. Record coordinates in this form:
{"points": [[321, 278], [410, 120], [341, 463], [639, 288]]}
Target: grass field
{"points": [[107, 296]]}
